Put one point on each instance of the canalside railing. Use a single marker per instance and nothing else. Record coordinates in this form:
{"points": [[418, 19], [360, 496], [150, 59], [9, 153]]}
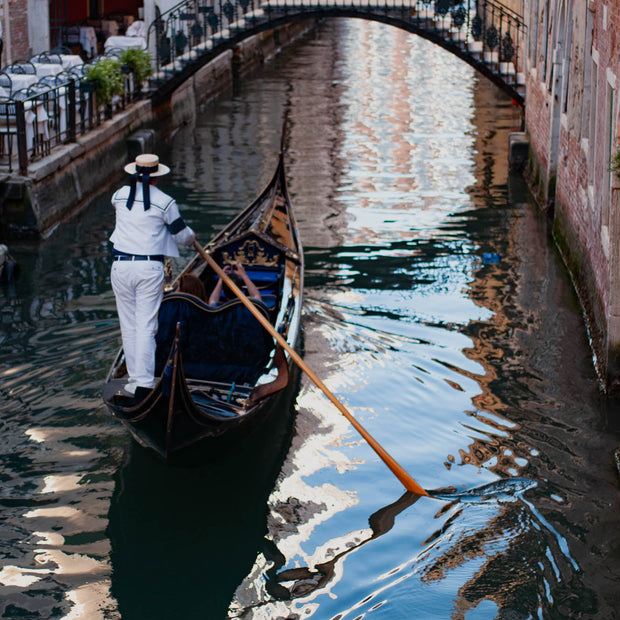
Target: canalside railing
{"points": [[52, 112]]}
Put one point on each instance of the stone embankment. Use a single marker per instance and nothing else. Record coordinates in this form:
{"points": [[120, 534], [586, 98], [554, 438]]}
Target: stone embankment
{"points": [[60, 184]]}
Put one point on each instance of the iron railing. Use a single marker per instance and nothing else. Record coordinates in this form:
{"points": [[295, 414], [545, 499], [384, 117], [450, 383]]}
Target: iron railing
{"points": [[51, 114], [191, 28]]}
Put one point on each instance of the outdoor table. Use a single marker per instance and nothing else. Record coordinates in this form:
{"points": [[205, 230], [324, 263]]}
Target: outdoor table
{"points": [[36, 123], [22, 80], [125, 42], [137, 29], [61, 121], [36, 126], [70, 60], [47, 68]]}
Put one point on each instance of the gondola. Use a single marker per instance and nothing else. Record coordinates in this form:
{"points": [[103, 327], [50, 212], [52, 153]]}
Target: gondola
{"points": [[212, 359]]}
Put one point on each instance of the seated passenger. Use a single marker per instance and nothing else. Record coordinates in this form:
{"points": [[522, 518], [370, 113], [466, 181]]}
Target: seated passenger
{"points": [[193, 285], [237, 274]]}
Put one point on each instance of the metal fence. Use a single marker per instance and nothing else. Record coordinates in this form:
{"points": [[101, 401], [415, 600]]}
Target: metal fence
{"points": [[51, 113], [179, 36]]}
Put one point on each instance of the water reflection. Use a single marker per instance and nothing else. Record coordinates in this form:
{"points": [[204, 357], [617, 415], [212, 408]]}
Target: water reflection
{"points": [[59, 449], [486, 557], [301, 582], [183, 538], [425, 337]]}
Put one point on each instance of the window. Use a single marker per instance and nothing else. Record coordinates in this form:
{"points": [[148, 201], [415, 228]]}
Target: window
{"points": [[609, 144], [587, 79], [544, 59], [533, 47], [568, 16], [592, 123]]}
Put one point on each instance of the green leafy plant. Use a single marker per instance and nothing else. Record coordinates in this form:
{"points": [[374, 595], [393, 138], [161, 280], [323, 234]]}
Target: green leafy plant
{"points": [[139, 63], [107, 77]]}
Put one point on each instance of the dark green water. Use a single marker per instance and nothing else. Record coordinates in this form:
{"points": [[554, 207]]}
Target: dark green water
{"points": [[436, 310]]}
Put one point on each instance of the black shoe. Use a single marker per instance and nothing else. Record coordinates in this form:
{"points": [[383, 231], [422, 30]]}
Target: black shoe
{"points": [[142, 393], [124, 400]]}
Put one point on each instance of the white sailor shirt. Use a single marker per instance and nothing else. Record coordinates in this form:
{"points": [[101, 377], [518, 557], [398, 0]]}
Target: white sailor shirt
{"points": [[155, 231]]}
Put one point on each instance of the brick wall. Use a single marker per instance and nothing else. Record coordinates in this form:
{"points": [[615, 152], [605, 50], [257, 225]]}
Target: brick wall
{"points": [[18, 19], [586, 213]]}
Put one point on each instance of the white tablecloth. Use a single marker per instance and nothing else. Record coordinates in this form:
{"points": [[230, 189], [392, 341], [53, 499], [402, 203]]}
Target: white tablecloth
{"points": [[70, 60], [47, 68], [36, 128], [125, 42], [58, 112], [36, 124], [22, 80], [137, 29]]}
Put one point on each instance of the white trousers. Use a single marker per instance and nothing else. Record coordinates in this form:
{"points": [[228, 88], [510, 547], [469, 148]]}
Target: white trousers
{"points": [[138, 287]]}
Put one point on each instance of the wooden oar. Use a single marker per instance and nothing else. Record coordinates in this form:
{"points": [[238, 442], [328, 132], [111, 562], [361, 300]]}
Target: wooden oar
{"points": [[409, 483]]}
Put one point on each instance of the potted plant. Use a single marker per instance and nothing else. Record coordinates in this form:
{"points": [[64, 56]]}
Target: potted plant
{"points": [[105, 74], [139, 63]]}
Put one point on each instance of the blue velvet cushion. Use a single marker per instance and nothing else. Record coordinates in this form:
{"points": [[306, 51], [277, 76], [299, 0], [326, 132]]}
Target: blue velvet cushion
{"points": [[225, 343]]}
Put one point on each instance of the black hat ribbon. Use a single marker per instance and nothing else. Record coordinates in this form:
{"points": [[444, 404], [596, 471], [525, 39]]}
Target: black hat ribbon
{"points": [[145, 172]]}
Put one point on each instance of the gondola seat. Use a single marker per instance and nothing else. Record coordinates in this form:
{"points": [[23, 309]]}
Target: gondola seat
{"points": [[223, 344], [267, 280]]}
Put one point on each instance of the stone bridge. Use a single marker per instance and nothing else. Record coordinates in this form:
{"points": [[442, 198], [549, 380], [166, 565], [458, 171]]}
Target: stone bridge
{"points": [[486, 34]]}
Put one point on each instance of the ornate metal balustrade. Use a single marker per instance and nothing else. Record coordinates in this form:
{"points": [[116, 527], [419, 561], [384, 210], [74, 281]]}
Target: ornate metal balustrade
{"points": [[485, 33], [50, 114]]}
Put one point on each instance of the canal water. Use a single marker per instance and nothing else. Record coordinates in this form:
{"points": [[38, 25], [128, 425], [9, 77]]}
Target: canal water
{"points": [[435, 308]]}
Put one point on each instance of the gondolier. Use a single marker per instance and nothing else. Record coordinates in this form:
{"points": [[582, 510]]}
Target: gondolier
{"points": [[218, 372], [148, 228]]}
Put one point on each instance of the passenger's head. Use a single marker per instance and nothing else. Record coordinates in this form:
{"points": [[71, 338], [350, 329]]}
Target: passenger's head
{"points": [[237, 280], [193, 285]]}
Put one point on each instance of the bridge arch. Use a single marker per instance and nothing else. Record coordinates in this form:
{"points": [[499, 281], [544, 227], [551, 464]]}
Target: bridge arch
{"points": [[483, 33]]}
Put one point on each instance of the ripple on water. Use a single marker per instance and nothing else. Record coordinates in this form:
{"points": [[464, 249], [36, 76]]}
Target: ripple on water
{"points": [[59, 455]]}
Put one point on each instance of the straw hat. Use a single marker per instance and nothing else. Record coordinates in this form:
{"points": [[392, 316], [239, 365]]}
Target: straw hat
{"points": [[147, 163]]}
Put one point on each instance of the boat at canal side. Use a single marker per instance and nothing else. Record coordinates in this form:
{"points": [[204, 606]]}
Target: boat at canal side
{"points": [[215, 364]]}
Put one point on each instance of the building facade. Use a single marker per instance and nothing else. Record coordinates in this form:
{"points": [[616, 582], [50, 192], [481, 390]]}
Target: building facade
{"points": [[29, 27], [573, 64]]}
